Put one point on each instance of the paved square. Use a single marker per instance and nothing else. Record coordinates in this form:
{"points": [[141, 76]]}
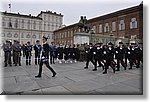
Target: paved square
{"points": [[71, 78]]}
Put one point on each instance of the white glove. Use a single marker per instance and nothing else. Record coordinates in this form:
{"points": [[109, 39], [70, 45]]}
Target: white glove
{"points": [[104, 52], [116, 51], [86, 51], [128, 52], [94, 53]]}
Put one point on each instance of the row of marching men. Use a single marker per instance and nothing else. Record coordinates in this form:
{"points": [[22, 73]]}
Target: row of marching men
{"points": [[114, 56]]}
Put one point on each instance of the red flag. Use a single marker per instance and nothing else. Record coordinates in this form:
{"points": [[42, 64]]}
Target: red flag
{"points": [[9, 5]]}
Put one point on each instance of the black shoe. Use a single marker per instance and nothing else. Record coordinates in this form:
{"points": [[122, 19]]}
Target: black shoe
{"points": [[137, 66], [19, 64], [54, 75], [130, 68], [94, 69], [85, 67], [10, 65], [125, 68], [38, 76], [5, 66], [104, 72], [118, 70], [15, 64], [114, 70]]}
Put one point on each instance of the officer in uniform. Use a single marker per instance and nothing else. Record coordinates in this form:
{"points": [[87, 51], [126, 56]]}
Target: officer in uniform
{"points": [[126, 53], [131, 54], [16, 53], [109, 57], [52, 53], [66, 53], [98, 53], [138, 55], [28, 49], [45, 58], [7, 53], [37, 49], [90, 55], [120, 53], [60, 53]]}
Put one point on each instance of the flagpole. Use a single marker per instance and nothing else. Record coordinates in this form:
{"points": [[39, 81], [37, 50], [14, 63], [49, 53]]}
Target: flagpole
{"points": [[9, 6]]}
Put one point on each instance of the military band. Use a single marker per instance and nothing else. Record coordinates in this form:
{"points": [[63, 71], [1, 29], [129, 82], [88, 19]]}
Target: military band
{"points": [[100, 55]]}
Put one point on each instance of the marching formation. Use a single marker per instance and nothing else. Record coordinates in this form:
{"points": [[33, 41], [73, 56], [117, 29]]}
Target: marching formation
{"points": [[101, 55]]}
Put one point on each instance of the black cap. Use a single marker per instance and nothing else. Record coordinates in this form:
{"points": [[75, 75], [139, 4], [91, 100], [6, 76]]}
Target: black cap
{"points": [[132, 43], [28, 42], [100, 43], [120, 42], [140, 43], [7, 41], [90, 44], [45, 37], [110, 43]]}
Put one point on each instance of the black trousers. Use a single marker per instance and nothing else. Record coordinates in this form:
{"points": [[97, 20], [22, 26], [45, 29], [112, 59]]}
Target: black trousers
{"points": [[99, 62], [47, 65], [37, 57], [88, 60], [111, 64], [122, 63], [28, 58], [52, 57], [7, 56]]}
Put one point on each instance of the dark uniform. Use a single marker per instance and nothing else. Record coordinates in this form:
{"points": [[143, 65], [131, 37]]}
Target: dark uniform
{"points": [[138, 55], [45, 58], [37, 49], [119, 54], [7, 53], [90, 55], [109, 57], [126, 53], [60, 53], [131, 55], [28, 49], [52, 54], [66, 53], [16, 53], [98, 56]]}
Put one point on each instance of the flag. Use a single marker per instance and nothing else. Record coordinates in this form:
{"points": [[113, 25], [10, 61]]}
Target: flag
{"points": [[9, 5]]}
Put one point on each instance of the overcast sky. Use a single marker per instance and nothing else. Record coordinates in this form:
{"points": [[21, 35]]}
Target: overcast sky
{"points": [[71, 9]]}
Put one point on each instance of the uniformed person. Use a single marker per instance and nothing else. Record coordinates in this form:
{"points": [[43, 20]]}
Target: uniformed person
{"points": [[52, 53], [28, 49], [66, 53], [120, 53], [126, 53], [109, 57], [138, 55], [60, 53], [16, 52], [131, 55], [37, 49], [90, 55], [7, 53], [45, 58], [98, 53]]}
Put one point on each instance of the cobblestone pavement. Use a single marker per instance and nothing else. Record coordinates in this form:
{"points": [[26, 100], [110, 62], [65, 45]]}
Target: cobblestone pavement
{"points": [[71, 78]]}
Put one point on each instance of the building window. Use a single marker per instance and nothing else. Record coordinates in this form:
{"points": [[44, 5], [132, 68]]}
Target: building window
{"points": [[16, 35], [28, 36], [2, 34], [100, 28], [22, 23], [133, 23], [9, 35], [22, 35], [28, 24], [16, 24], [122, 25], [34, 25], [113, 26], [106, 28], [34, 36], [3, 23], [9, 23]]}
